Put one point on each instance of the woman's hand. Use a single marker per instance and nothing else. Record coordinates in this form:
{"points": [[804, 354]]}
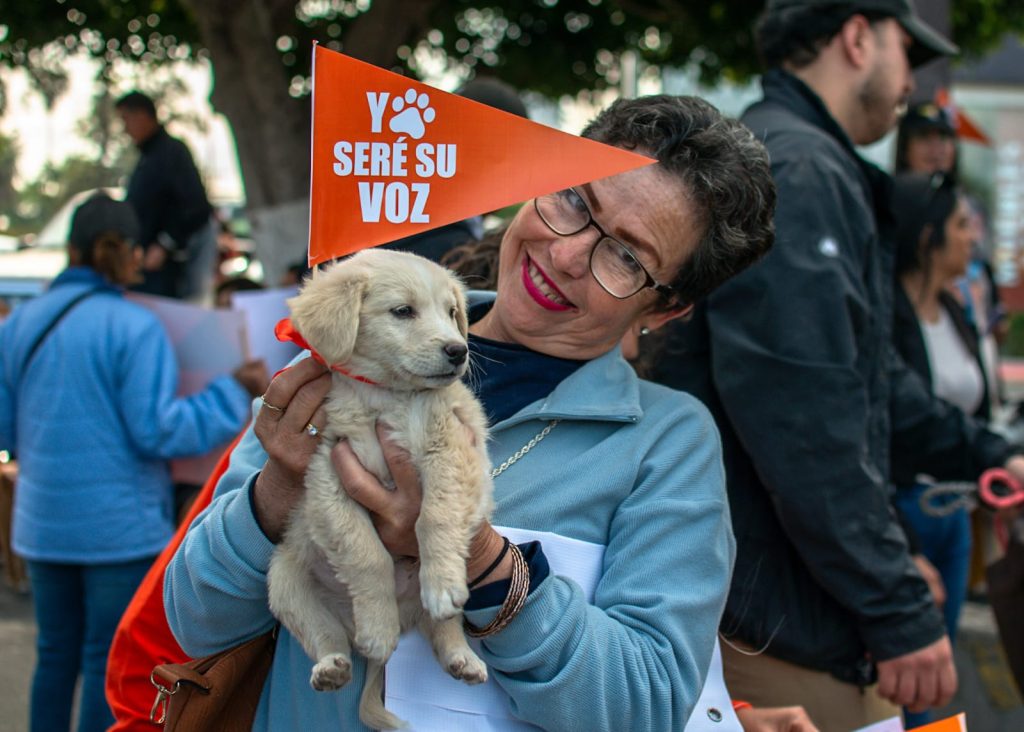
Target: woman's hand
{"points": [[394, 512], [292, 402], [775, 719], [253, 376], [154, 258]]}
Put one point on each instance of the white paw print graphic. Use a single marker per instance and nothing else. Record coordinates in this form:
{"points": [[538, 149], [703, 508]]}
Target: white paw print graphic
{"points": [[411, 111]]}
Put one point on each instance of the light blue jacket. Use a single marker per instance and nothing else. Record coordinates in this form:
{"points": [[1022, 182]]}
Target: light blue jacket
{"points": [[633, 466], [93, 420]]}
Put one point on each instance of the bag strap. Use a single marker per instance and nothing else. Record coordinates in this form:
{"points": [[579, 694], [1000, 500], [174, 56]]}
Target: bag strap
{"points": [[53, 323], [252, 658], [172, 674], [167, 677]]}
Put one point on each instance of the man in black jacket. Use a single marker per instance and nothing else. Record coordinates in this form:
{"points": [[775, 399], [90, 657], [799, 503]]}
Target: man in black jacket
{"points": [[794, 359], [168, 196]]}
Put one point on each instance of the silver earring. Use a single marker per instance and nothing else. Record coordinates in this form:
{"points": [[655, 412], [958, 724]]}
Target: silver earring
{"points": [[644, 330]]}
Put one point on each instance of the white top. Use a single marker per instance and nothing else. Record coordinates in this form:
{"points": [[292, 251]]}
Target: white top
{"points": [[956, 376]]}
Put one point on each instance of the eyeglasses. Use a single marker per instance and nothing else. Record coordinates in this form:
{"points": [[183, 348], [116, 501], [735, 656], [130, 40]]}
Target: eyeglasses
{"points": [[613, 264]]}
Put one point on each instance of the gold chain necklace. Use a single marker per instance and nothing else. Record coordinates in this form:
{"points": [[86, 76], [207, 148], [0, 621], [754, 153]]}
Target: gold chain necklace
{"points": [[524, 449]]}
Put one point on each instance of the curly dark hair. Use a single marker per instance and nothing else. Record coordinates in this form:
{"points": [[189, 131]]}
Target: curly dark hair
{"points": [[476, 262], [723, 168]]}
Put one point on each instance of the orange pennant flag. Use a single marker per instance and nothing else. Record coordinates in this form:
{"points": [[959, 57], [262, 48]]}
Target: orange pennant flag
{"points": [[957, 723], [392, 157], [966, 128]]}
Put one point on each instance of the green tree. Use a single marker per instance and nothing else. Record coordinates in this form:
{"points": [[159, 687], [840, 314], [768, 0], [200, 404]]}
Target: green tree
{"points": [[8, 196], [56, 183], [259, 49]]}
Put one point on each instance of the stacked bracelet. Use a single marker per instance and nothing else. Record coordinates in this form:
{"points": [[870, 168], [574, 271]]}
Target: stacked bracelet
{"points": [[519, 588], [483, 575]]}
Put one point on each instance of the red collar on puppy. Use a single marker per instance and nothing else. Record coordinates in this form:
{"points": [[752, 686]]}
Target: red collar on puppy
{"points": [[285, 331]]}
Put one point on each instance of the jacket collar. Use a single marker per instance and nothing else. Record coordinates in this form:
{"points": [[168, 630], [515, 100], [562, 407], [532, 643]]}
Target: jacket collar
{"points": [[150, 142], [81, 275], [783, 88], [604, 389]]}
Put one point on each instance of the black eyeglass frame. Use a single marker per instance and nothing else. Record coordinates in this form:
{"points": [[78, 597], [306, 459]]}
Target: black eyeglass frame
{"points": [[649, 282]]}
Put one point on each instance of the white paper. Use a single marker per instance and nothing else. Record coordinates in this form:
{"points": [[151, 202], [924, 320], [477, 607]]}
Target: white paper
{"points": [[893, 724], [207, 344], [261, 310], [420, 692]]}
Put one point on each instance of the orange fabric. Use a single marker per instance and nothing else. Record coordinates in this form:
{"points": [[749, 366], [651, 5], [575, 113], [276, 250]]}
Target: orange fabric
{"points": [[285, 331], [966, 128], [392, 157], [143, 639], [957, 723]]}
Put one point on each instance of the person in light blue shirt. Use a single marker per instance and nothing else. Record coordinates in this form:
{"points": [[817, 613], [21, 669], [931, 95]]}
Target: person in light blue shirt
{"points": [[619, 464], [88, 404]]}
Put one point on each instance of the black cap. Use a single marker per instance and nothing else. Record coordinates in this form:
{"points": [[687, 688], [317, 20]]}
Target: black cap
{"points": [[925, 117], [99, 215], [928, 42], [494, 93]]}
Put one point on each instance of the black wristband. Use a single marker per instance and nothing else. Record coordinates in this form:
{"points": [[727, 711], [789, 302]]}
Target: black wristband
{"points": [[494, 565]]}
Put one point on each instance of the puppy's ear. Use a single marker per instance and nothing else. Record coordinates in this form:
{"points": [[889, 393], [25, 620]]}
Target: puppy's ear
{"points": [[461, 309], [326, 311]]}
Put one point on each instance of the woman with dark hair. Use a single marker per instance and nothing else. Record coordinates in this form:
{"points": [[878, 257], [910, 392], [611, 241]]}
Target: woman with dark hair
{"points": [[88, 402], [934, 337], [926, 141], [616, 466]]}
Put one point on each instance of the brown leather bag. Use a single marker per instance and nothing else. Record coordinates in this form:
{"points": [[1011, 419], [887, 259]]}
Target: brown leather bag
{"points": [[217, 693]]}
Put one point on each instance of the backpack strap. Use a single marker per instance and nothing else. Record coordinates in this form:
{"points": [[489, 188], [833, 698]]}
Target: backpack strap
{"points": [[53, 323]]}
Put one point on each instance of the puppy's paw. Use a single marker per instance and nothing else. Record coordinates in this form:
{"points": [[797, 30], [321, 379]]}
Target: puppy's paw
{"points": [[378, 643], [332, 672], [464, 665], [444, 602]]}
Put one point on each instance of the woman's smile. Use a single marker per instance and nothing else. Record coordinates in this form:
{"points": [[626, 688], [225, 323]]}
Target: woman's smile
{"points": [[547, 296], [541, 288]]}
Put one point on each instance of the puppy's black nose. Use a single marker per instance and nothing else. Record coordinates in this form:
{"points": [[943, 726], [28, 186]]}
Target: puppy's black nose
{"points": [[456, 353]]}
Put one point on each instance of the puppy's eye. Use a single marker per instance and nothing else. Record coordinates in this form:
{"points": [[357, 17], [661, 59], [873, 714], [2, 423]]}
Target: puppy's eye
{"points": [[403, 311], [452, 313]]}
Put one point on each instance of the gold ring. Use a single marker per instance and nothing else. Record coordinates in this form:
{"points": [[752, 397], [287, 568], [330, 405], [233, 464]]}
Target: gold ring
{"points": [[312, 430], [270, 406]]}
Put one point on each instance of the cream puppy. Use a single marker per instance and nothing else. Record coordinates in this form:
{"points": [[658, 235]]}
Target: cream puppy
{"points": [[393, 326]]}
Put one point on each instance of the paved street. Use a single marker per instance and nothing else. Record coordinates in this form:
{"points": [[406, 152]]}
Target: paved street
{"points": [[17, 657], [987, 692]]}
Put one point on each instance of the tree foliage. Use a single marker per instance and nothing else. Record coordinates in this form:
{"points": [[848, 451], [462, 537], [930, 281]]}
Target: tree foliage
{"points": [[980, 25], [40, 199], [259, 50], [551, 46]]}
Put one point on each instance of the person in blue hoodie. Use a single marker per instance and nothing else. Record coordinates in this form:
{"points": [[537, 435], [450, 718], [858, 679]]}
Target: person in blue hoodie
{"points": [[618, 468], [88, 403]]}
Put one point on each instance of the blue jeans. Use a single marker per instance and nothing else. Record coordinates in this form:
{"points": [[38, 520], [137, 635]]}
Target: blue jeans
{"points": [[946, 543], [77, 609]]}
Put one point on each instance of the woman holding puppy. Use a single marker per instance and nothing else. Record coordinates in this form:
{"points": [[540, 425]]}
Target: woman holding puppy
{"points": [[591, 462]]}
